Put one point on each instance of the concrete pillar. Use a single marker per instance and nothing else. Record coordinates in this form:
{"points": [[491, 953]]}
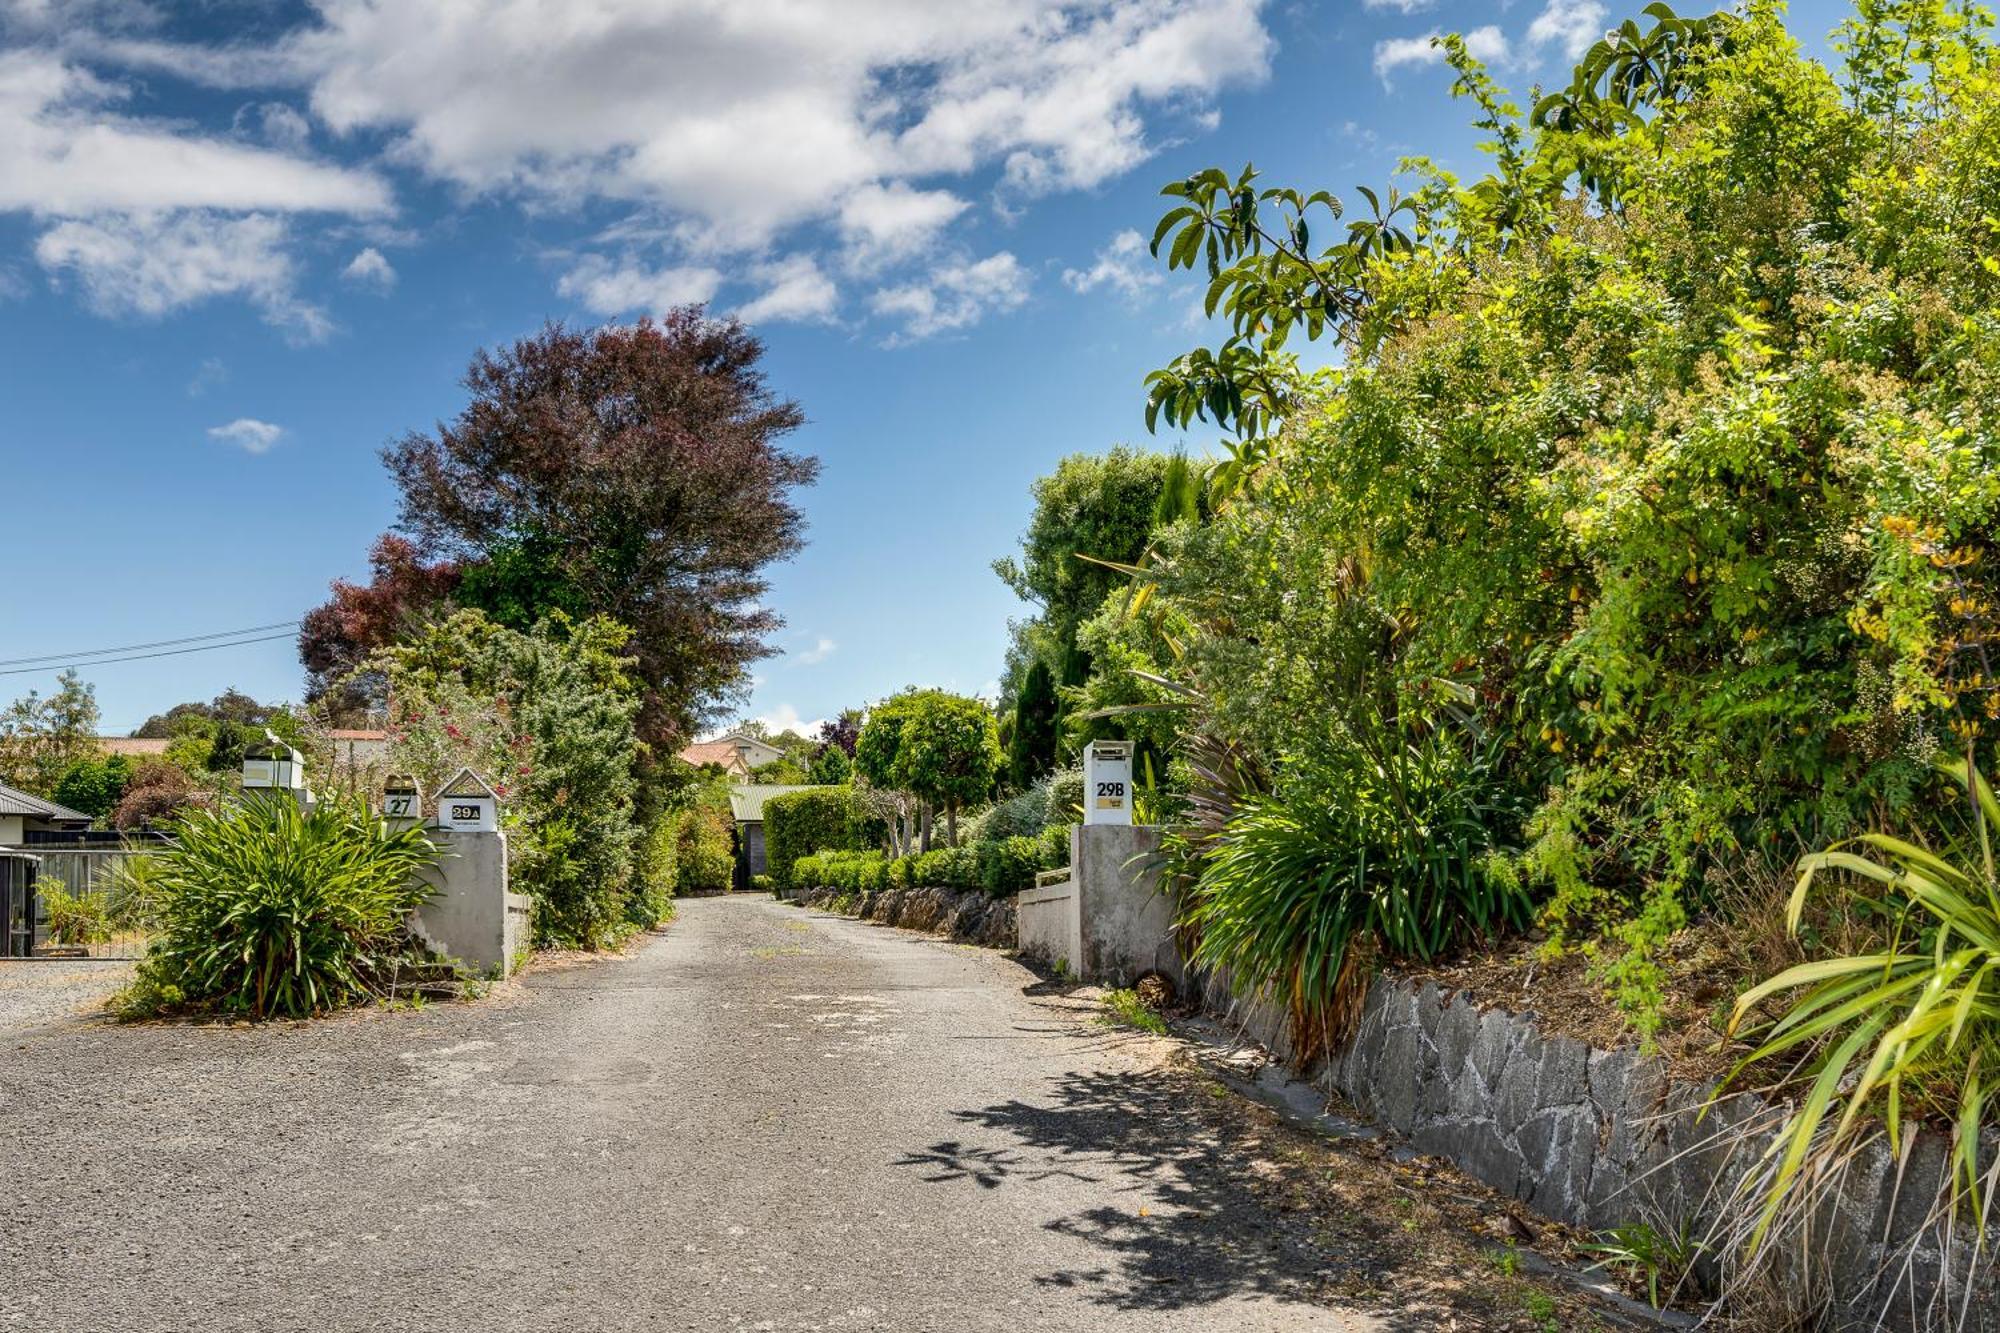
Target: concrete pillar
{"points": [[471, 916], [1110, 923]]}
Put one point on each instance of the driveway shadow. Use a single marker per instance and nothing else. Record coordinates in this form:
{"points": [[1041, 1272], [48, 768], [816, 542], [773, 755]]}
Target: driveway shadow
{"points": [[1192, 1197]]}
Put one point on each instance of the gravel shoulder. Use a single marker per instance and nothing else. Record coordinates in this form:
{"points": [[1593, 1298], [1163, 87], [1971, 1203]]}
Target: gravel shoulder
{"points": [[765, 1119], [41, 992]]}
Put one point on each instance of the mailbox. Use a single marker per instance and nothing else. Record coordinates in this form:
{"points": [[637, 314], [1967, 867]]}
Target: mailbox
{"points": [[467, 805], [402, 799], [274, 766], [1107, 782]]}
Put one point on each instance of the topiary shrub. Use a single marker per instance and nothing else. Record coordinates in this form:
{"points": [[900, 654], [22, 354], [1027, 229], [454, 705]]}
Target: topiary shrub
{"points": [[266, 910], [799, 823]]}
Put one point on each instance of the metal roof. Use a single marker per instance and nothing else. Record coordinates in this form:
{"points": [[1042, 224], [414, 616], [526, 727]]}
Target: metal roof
{"points": [[746, 800], [13, 802]]}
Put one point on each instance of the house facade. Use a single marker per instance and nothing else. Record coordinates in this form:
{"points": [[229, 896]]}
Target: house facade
{"points": [[22, 814], [735, 753]]}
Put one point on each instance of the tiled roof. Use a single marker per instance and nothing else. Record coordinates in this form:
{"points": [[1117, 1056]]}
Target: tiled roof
{"points": [[14, 802], [710, 752], [133, 746]]}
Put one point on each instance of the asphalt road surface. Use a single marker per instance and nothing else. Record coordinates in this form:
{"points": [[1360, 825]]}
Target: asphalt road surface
{"points": [[765, 1119]]}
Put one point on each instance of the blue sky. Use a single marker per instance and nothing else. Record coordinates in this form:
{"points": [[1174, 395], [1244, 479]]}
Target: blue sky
{"points": [[245, 243]]}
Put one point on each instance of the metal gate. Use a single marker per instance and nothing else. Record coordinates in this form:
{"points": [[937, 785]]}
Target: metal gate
{"points": [[76, 898], [17, 905]]}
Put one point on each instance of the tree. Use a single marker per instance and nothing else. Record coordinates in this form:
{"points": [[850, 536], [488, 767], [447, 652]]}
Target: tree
{"points": [[42, 738], [830, 766], [842, 731], [94, 786], [630, 471], [949, 752], [232, 705], [1032, 748], [337, 639], [1097, 505], [878, 753]]}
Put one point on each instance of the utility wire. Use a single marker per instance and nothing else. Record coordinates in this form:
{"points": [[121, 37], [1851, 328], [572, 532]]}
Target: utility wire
{"points": [[137, 647], [141, 657]]}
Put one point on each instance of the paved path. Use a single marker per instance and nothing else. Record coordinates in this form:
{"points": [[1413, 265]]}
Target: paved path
{"points": [[767, 1119]]}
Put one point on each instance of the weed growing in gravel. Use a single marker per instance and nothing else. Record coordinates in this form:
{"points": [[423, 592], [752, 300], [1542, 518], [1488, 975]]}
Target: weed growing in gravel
{"points": [[1122, 1008]]}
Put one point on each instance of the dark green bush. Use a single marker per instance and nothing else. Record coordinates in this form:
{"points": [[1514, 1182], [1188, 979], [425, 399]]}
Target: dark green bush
{"points": [[850, 872], [704, 856], [265, 910], [799, 823], [94, 786]]}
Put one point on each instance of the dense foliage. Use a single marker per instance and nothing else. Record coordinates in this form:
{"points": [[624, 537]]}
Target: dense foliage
{"points": [[43, 736], [268, 911], [822, 819], [999, 868], [629, 471], [548, 718], [1662, 458]]}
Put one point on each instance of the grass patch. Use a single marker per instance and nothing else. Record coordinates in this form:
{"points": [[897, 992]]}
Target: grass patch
{"points": [[1123, 1008]]}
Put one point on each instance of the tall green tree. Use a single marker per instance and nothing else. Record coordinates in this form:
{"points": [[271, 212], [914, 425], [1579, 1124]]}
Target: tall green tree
{"points": [[1031, 750], [950, 753], [42, 737]]}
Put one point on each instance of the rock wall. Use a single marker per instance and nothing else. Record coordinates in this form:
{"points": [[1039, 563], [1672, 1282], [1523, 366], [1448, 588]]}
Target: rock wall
{"points": [[1602, 1138], [961, 914]]}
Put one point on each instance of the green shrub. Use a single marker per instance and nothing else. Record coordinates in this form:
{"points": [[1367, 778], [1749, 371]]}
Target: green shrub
{"points": [[1063, 801], [1008, 867], [851, 872], [800, 823], [268, 911], [1018, 816], [763, 884], [652, 900], [94, 786], [704, 856], [73, 918], [1298, 893]]}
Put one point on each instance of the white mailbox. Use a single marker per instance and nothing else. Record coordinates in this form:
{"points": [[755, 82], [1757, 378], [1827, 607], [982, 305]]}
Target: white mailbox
{"points": [[1107, 782], [274, 766], [402, 800], [467, 805]]}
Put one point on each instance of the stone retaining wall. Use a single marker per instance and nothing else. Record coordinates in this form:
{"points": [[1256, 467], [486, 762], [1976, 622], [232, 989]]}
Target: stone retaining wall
{"points": [[961, 914], [1601, 1138]]}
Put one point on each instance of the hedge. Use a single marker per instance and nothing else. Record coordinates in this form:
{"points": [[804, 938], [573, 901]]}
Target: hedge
{"points": [[820, 819], [999, 868]]}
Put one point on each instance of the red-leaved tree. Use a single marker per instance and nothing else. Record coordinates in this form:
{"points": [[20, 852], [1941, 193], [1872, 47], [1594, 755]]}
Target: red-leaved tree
{"points": [[335, 639], [632, 471]]}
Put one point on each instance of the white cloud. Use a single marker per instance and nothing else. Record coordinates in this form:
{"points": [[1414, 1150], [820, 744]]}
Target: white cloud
{"points": [[758, 115], [1575, 25], [1487, 44], [280, 124], [954, 296], [151, 264], [894, 221], [65, 153], [785, 717], [1123, 264], [248, 434], [794, 289], [822, 649], [370, 269], [1399, 6], [606, 288]]}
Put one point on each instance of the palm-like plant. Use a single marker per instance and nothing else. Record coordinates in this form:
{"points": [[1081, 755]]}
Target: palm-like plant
{"points": [[1914, 1027], [268, 910]]}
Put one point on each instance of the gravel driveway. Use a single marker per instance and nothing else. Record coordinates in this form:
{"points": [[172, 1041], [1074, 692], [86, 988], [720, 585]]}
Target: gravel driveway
{"points": [[766, 1119]]}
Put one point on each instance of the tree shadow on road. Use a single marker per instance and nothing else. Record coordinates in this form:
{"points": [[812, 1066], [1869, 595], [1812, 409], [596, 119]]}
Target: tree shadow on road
{"points": [[1202, 1197]]}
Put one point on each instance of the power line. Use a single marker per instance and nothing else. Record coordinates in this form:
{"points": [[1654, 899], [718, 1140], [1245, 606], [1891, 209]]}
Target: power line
{"points": [[141, 657], [63, 658]]}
